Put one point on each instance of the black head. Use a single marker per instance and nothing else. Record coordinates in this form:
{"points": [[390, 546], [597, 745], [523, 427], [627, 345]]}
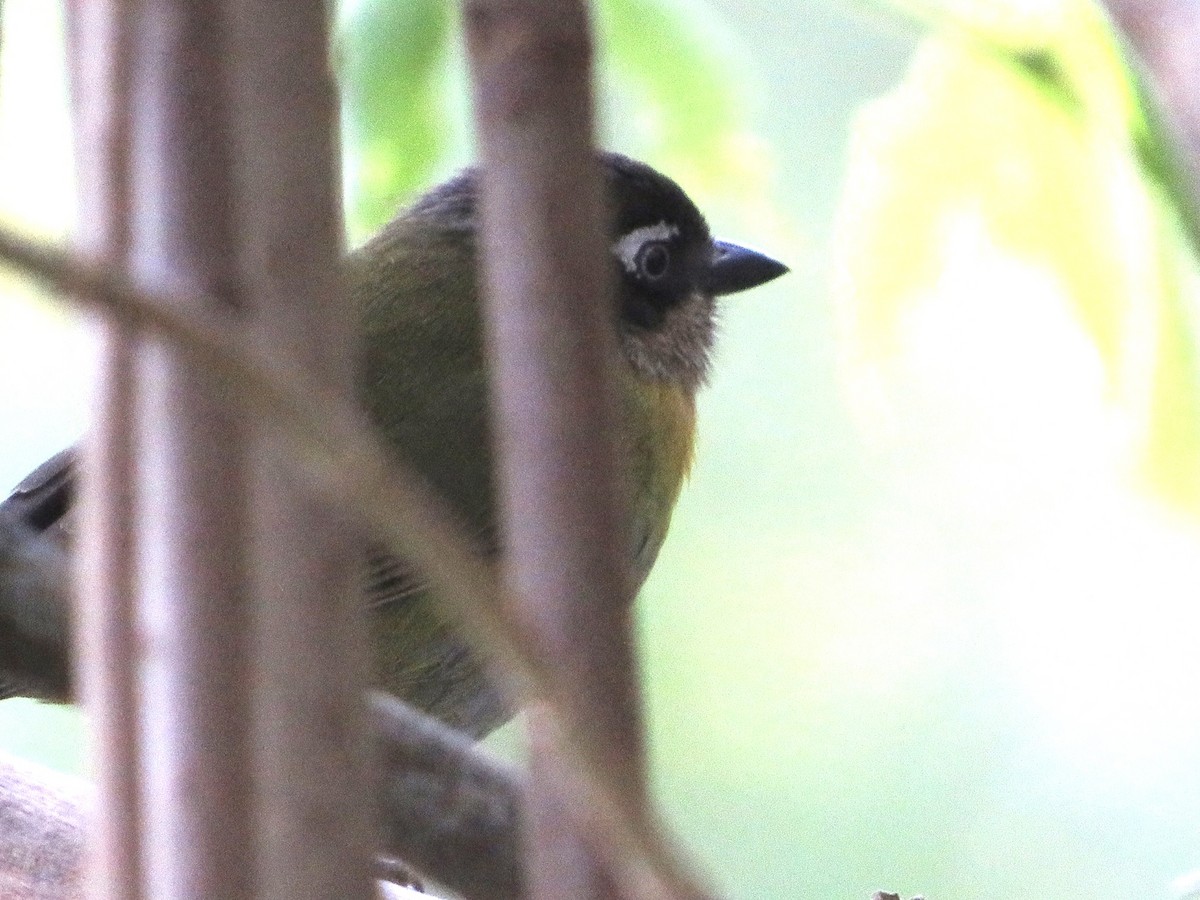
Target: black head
{"points": [[669, 268]]}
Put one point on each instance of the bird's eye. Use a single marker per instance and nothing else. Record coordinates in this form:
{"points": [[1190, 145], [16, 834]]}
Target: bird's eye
{"points": [[653, 260]]}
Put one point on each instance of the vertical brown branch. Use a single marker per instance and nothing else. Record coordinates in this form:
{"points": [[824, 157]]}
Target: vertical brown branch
{"points": [[310, 650], [187, 660], [99, 37], [227, 145], [550, 314], [1166, 35]]}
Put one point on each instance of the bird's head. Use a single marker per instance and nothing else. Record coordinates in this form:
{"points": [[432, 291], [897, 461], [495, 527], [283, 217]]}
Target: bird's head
{"points": [[669, 269]]}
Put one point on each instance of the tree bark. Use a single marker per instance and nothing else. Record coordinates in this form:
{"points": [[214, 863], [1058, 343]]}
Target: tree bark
{"points": [[549, 302], [42, 833], [447, 808]]}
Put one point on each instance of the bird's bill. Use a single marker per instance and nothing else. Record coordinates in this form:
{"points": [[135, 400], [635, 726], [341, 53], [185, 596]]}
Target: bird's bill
{"points": [[737, 268]]}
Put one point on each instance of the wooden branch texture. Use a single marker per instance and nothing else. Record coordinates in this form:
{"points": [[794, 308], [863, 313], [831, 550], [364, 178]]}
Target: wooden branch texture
{"points": [[309, 650], [42, 836], [42, 833], [231, 748], [101, 69], [552, 351], [447, 808]]}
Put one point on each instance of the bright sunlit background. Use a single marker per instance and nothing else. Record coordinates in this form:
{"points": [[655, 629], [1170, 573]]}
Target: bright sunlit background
{"points": [[927, 617]]}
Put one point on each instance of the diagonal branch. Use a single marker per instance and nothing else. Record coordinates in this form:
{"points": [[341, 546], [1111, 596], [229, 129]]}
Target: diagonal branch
{"points": [[447, 807], [42, 834]]}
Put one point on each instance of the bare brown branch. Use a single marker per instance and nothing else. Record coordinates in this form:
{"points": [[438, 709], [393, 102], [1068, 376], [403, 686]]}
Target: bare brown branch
{"points": [[309, 623], [101, 63], [446, 807], [42, 833], [179, 482], [548, 298], [549, 305]]}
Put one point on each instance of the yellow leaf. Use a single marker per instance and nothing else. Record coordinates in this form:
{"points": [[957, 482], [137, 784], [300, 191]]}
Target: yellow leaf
{"points": [[982, 184]]}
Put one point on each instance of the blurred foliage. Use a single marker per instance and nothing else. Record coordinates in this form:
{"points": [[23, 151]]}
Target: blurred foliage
{"points": [[391, 60], [1021, 135], [1070, 50], [402, 73], [686, 108]]}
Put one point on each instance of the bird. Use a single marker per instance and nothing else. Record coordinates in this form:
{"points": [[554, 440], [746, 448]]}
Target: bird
{"points": [[422, 380]]}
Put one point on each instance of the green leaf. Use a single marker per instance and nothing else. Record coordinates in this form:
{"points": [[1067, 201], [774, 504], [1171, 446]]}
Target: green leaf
{"points": [[392, 66], [676, 91], [688, 87]]}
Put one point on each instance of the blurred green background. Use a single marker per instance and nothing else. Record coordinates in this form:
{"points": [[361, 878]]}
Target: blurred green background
{"points": [[926, 619]]}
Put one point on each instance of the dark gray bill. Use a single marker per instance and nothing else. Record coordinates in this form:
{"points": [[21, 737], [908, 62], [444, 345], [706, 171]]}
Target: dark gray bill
{"points": [[737, 268]]}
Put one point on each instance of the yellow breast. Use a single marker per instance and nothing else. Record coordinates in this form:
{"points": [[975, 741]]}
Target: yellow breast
{"points": [[661, 423]]}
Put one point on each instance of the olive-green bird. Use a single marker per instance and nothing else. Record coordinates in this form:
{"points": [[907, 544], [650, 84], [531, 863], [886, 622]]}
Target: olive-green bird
{"points": [[423, 383]]}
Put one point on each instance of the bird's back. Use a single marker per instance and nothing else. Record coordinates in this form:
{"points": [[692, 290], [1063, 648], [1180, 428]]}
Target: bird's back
{"points": [[423, 385], [426, 392]]}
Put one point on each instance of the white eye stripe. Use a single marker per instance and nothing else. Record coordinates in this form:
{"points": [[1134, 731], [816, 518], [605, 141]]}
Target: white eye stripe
{"points": [[627, 247]]}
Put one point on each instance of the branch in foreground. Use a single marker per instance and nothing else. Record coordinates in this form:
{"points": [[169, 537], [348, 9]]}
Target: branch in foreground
{"points": [[446, 807], [42, 835], [548, 290], [42, 840]]}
